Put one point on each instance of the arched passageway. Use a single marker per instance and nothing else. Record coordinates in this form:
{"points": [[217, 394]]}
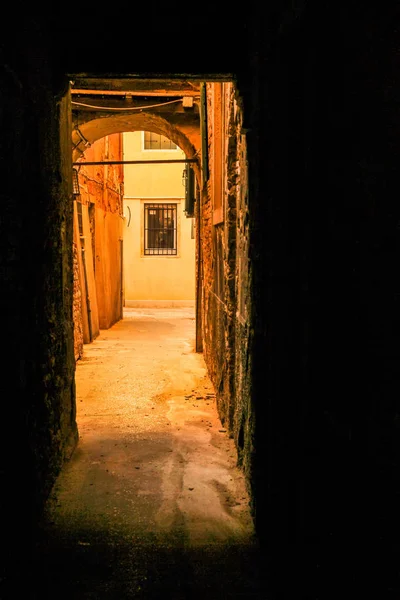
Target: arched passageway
{"points": [[95, 129], [167, 472], [315, 327], [97, 116]]}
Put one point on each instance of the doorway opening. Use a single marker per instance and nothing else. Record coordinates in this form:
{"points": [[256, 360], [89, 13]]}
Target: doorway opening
{"points": [[155, 476], [113, 110], [195, 126]]}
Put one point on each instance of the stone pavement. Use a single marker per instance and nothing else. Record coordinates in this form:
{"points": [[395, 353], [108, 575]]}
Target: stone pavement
{"points": [[152, 503]]}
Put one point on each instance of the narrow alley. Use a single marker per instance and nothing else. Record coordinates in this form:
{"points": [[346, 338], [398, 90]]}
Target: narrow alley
{"points": [[152, 503]]}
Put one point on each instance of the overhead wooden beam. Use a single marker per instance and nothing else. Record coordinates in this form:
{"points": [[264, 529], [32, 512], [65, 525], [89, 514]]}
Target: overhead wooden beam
{"points": [[138, 86], [158, 92]]}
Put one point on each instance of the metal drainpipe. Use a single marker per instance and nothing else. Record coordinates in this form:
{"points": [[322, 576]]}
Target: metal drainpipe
{"points": [[121, 245], [89, 310], [204, 167]]}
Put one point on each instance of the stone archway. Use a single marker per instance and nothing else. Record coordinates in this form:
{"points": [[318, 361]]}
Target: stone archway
{"points": [[87, 132], [90, 127]]}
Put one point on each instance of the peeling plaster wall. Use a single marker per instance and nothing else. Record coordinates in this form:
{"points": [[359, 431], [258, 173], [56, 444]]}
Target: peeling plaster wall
{"points": [[77, 308], [101, 188], [102, 183]]}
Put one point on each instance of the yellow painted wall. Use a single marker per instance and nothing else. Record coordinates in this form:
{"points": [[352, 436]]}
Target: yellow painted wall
{"points": [[164, 279]]}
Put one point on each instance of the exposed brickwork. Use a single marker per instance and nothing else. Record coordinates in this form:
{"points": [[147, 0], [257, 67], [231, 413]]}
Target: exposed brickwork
{"points": [[101, 190], [225, 248], [244, 413], [77, 310], [101, 184]]}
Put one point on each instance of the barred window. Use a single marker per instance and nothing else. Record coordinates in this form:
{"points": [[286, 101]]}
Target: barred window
{"points": [[156, 141], [160, 229]]}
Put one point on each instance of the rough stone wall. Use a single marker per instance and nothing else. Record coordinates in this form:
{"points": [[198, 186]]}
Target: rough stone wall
{"points": [[323, 143], [226, 282], [77, 309], [36, 287], [244, 413], [229, 243], [213, 331]]}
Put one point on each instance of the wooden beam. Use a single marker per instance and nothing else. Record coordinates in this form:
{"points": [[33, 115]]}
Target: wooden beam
{"points": [[139, 86], [158, 92]]}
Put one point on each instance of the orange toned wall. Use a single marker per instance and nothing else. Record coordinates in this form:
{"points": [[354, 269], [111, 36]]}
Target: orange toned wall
{"points": [[101, 192]]}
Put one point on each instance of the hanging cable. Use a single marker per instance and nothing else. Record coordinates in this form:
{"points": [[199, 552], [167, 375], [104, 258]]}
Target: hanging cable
{"points": [[129, 108], [83, 139]]}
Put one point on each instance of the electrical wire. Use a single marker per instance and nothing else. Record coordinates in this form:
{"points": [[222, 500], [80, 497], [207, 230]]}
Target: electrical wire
{"points": [[82, 139], [128, 108]]}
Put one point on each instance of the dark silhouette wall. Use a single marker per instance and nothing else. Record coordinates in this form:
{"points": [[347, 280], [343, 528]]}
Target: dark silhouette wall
{"points": [[320, 88]]}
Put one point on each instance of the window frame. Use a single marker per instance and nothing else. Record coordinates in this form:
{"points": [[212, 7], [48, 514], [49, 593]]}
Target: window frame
{"points": [[175, 202], [143, 149]]}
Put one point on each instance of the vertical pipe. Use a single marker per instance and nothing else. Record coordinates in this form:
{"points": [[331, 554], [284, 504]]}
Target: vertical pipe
{"points": [[89, 310], [121, 251], [204, 136]]}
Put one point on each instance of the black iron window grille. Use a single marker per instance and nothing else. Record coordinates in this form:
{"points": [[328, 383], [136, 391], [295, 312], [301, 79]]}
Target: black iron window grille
{"points": [[160, 229]]}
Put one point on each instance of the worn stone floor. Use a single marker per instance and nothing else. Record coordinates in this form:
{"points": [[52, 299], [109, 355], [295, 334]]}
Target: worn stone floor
{"points": [[152, 503]]}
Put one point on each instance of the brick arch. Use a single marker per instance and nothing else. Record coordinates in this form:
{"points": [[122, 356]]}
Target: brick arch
{"points": [[99, 127]]}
